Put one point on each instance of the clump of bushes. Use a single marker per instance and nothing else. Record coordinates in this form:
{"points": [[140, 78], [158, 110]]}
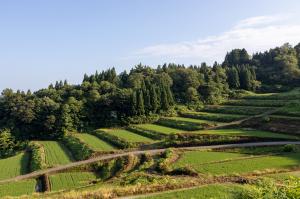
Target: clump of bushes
{"points": [[163, 164], [9, 146], [147, 133], [289, 148], [112, 139], [37, 161], [80, 150]]}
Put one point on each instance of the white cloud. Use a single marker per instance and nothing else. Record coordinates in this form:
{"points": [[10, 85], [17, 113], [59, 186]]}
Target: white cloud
{"points": [[255, 34]]}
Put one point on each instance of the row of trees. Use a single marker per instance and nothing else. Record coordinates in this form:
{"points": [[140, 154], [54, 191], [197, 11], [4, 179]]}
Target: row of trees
{"points": [[106, 98]]}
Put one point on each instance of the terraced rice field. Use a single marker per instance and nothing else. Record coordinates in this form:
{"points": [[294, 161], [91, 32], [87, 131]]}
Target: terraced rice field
{"points": [[241, 166], [243, 110], [70, 180], [159, 128], [196, 121], [56, 153], [216, 191], [203, 157], [129, 136], [17, 188], [256, 103], [94, 142], [252, 133], [218, 117], [14, 166]]}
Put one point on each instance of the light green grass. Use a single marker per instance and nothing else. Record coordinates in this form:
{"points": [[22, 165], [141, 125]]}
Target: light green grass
{"points": [[193, 158], [250, 165], [158, 128], [18, 188], [252, 133], [197, 121], [257, 103], [239, 110], [216, 191], [14, 166], [56, 153], [71, 180], [128, 136], [285, 175], [94, 142]]}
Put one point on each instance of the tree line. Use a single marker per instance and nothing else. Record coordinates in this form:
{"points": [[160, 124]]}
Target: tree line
{"points": [[107, 98]]}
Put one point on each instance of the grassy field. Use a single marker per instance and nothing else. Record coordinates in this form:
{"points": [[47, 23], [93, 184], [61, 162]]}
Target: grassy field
{"points": [[201, 157], [94, 142], [128, 136], [14, 166], [216, 191], [291, 95], [56, 153], [17, 188], [252, 133], [250, 165], [71, 180], [219, 117], [159, 128]]}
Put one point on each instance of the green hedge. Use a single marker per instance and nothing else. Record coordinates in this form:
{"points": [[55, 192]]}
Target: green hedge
{"points": [[37, 161], [79, 150], [114, 140]]}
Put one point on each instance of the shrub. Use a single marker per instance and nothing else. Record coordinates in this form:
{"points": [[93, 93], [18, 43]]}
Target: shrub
{"points": [[8, 144], [289, 148], [80, 150], [37, 161]]}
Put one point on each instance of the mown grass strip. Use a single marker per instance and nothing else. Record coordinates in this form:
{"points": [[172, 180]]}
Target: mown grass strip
{"points": [[14, 166], [256, 103]]}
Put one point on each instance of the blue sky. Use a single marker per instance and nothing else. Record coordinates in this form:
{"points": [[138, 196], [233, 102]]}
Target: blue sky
{"points": [[45, 41]]}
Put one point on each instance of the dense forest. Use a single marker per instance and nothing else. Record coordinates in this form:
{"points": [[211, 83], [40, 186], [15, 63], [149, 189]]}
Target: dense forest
{"points": [[107, 98]]}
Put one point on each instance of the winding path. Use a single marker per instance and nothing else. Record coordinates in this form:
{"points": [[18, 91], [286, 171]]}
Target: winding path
{"points": [[138, 152]]}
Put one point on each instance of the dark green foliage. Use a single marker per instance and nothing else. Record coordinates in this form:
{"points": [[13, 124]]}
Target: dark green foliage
{"points": [[8, 144], [80, 150], [37, 161]]}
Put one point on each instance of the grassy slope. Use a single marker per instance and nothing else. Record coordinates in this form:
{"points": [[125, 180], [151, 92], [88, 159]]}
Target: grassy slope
{"points": [[129, 136], [94, 142], [56, 153], [216, 191], [14, 166], [71, 180], [240, 132], [17, 188], [158, 128]]}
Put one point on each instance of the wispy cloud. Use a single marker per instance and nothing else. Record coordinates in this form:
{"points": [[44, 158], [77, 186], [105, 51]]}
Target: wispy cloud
{"points": [[255, 34]]}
